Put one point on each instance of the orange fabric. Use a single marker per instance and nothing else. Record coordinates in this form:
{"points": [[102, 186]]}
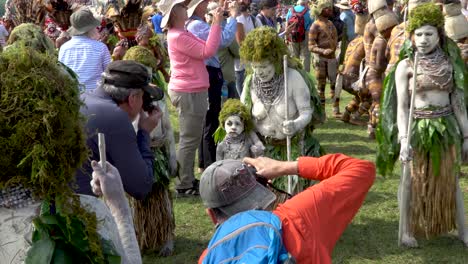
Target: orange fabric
{"points": [[313, 220]]}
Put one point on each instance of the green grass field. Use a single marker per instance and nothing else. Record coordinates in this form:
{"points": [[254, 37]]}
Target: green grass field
{"points": [[370, 238]]}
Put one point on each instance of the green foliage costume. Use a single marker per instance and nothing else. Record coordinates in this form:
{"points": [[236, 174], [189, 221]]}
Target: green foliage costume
{"points": [[435, 135], [263, 44], [42, 143]]}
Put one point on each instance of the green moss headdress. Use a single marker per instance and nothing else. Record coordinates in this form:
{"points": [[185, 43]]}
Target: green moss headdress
{"points": [[32, 36], [142, 55], [425, 14], [235, 107], [232, 107], [263, 44], [42, 144], [318, 7]]}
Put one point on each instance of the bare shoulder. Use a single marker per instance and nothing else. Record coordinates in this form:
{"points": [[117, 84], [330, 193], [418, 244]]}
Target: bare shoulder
{"points": [[403, 68], [294, 77]]}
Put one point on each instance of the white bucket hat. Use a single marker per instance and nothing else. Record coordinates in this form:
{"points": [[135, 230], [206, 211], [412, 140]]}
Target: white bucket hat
{"points": [[192, 6], [343, 4], [165, 6]]}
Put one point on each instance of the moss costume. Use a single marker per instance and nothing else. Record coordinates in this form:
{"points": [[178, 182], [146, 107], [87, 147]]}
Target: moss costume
{"points": [[42, 143], [436, 159]]}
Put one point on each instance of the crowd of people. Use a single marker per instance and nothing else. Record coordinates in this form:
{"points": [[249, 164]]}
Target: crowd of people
{"points": [[116, 64]]}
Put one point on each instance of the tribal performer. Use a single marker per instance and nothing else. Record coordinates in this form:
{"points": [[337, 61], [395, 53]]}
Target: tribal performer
{"points": [[432, 149], [456, 27], [354, 59], [264, 96], [154, 216], [385, 20], [42, 143], [323, 41], [235, 136], [398, 36]]}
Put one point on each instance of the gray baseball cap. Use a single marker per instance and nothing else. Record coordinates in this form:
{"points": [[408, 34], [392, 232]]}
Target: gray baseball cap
{"points": [[230, 187]]}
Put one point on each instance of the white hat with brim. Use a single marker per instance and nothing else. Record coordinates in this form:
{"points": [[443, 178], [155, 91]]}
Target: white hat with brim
{"points": [[343, 4], [192, 6], [82, 21], [165, 6]]}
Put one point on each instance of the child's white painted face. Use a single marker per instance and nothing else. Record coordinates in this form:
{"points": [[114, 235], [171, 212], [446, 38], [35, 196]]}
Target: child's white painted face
{"points": [[234, 125]]}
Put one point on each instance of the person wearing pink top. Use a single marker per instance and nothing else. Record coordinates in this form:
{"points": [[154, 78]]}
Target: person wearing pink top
{"points": [[188, 85]]}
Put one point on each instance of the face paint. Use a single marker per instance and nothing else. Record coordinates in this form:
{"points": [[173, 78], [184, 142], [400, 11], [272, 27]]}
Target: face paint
{"points": [[263, 70], [426, 39], [234, 125]]}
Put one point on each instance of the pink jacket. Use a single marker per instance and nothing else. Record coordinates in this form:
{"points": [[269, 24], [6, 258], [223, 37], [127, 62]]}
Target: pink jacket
{"points": [[187, 54]]}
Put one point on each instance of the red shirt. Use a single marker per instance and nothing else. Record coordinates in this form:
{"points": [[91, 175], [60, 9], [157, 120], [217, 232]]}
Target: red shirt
{"points": [[313, 220]]}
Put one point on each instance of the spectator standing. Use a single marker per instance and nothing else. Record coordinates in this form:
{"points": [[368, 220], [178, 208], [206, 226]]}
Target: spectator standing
{"points": [[189, 83], [299, 49], [267, 13], [3, 34], [196, 24], [86, 56], [311, 222], [156, 20], [246, 22], [348, 18]]}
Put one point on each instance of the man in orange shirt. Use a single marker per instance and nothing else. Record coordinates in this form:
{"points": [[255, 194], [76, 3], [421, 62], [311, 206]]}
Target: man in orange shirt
{"points": [[313, 220]]}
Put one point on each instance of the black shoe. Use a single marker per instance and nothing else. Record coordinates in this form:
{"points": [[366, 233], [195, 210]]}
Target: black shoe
{"points": [[187, 192]]}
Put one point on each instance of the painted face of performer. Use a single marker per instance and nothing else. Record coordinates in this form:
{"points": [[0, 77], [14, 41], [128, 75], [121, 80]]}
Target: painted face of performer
{"points": [[426, 39], [234, 125], [263, 70]]}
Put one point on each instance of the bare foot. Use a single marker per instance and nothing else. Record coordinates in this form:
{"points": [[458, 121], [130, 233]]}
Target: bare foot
{"points": [[409, 241], [464, 238], [167, 249]]}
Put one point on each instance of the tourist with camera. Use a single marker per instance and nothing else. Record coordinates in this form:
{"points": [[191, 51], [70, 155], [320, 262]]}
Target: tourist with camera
{"points": [[123, 92], [304, 229], [189, 83]]}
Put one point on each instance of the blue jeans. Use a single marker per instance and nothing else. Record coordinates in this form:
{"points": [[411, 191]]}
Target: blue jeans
{"points": [[240, 75]]}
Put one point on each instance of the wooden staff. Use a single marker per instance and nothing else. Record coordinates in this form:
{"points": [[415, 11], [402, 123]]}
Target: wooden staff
{"points": [[292, 179], [406, 177]]}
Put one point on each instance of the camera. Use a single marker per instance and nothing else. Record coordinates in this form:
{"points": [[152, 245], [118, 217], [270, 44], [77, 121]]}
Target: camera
{"points": [[148, 100]]}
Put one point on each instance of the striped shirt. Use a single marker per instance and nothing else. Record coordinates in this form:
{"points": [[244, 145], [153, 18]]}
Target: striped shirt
{"points": [[88, 58]]}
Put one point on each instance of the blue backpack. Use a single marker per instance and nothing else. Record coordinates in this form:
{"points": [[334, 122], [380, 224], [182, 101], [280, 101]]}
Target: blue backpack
{"points": [[248, 237]]}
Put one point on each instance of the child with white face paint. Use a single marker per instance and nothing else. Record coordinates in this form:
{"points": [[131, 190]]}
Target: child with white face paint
{"points": [[240, 141]]}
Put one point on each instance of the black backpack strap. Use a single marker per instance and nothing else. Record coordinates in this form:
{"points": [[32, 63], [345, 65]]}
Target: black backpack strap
{"points": [[253, 21]]}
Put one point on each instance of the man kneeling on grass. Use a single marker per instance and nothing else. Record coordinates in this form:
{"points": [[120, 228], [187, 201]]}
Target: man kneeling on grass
{"points": [[304, 229]]}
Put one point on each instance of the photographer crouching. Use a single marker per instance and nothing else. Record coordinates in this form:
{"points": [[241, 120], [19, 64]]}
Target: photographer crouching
{"points": [[123, 93]]}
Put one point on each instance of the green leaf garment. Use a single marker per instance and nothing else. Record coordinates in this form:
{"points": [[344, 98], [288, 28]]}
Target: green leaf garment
{"points": [[436, 152]]}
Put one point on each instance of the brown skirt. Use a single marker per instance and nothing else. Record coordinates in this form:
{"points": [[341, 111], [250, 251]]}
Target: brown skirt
{"points": [[433, 204], [154, 219]]}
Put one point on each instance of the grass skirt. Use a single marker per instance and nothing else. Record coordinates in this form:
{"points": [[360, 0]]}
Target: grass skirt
{"points": [[154, 216], [435, 166]]}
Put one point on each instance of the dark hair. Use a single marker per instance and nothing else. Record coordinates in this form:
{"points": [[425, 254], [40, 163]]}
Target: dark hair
{"points": [[220, 215], [265, 4], [243, 7]]}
